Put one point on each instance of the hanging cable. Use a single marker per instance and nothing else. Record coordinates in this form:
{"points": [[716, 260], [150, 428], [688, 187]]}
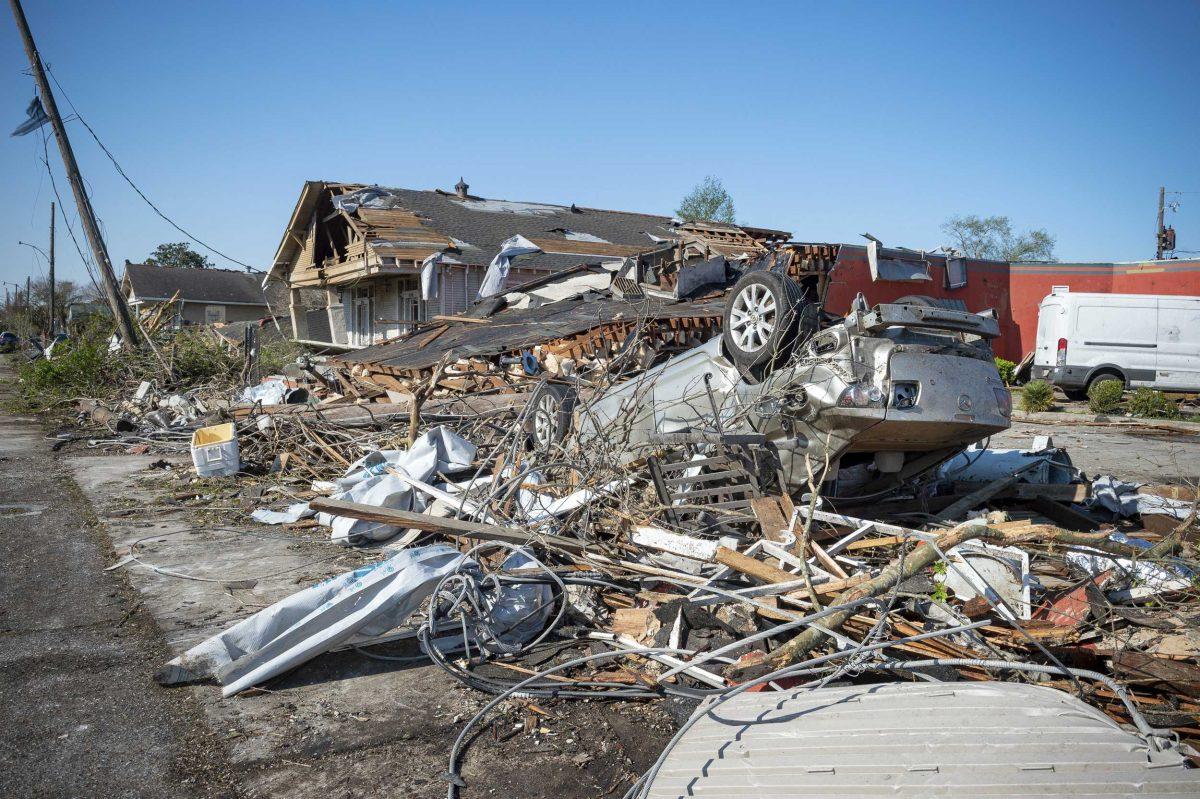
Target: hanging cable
{"points": [[135, 187]]}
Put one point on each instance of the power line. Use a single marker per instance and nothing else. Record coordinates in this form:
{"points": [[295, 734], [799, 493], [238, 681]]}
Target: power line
{"points": [[87, 263], [134, 186]]}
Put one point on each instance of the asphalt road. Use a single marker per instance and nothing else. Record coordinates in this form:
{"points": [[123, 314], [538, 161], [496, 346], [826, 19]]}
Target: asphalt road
{"points": [[79, 713]]}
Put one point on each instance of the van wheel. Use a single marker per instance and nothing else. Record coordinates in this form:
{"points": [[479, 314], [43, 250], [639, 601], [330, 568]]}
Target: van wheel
{"points": [[765, 314], [1103, 378], [549, 419]]}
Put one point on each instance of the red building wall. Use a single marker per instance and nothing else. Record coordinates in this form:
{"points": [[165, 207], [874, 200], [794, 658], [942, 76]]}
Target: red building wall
{"points": [[1014, 291], [1031, 283]]}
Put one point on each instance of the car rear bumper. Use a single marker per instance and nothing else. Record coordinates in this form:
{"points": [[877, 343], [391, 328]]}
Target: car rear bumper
{"points": [[1062, 376]]}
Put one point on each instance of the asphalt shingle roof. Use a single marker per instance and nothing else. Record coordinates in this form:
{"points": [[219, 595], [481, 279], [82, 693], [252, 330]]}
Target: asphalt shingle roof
{"points": [[214, 286], [481, 225]]}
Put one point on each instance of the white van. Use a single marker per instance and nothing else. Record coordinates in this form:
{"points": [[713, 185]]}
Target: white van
{"points": [[1139, 339]]}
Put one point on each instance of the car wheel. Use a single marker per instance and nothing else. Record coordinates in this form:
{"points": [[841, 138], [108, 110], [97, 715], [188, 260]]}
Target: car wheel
{"points": [[765, 314], [549, 417]]}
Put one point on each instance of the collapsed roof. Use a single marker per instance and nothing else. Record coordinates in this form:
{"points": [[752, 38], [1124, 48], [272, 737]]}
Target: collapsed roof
{"points": [[410, 225]]}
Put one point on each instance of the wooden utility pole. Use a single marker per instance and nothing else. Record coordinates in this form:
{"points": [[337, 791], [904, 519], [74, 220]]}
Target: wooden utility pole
{"points": [[87, 216], [52, 319], [1158, 234]]}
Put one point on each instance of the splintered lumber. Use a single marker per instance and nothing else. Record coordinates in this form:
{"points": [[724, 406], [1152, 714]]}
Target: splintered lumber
{"points": [[766, 573], [978, 497], [1063, 514], [924, 555], [769, 514], [1139, 667], [456, 528]]}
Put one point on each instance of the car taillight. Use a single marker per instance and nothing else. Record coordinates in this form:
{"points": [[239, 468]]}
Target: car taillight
{"points": [[1062, 352], [1003, 401], [860, 396]]}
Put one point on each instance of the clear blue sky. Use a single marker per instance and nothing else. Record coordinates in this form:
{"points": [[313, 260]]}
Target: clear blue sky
{"points": [[825, 119]]}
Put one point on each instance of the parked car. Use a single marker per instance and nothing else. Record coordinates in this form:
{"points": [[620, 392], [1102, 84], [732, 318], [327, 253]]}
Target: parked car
{"points": [[880, 396], [8, 341], [1137, 339]]}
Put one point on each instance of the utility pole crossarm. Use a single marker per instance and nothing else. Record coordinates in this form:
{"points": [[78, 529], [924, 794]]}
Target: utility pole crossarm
{"points": [[87, 216]]}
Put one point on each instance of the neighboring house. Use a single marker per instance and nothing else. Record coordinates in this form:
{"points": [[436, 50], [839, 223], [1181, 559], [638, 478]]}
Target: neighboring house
{"points": [[204, 296], [352, 254]]}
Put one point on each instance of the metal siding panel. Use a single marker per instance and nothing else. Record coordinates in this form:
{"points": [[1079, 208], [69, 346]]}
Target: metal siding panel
{"points": [[914, 740]]}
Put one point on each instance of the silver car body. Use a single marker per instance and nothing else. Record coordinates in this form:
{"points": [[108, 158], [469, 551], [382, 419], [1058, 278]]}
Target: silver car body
{"points": [[921, 380]]}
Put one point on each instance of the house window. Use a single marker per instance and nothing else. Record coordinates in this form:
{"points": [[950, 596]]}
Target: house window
{"points": [[389, 260], [412, 307], [956, 273], [214, 314]]}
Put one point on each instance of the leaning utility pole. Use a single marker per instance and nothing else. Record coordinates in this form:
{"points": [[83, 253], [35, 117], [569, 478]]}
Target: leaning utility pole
{"points": [[52, 325], [1158, 233], [87, 216]]}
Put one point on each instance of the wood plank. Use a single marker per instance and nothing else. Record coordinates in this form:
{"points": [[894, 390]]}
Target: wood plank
{"points": [[978, 497], [468, 319], [769, 514], [455, 528], [766, 573], [1064, 515]]}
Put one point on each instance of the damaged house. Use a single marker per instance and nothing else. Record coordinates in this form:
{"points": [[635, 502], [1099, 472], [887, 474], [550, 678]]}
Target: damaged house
{"points": [[353, 255], [202, 296]]}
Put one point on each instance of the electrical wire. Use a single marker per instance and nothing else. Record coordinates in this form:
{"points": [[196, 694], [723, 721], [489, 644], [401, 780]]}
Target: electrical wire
{"points": [[136, 188]]}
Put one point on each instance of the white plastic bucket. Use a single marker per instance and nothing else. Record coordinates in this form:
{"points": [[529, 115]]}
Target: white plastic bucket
{"points": [[215, 451]]}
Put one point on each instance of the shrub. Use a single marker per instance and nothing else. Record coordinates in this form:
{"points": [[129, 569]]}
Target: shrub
{"points": [[79, 368], [1105, 395], [1148, 403], [1038, 395], [1007, 370]]}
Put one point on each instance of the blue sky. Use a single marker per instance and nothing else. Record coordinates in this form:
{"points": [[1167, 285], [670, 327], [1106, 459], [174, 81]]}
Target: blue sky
{"points": [[824, 119]]}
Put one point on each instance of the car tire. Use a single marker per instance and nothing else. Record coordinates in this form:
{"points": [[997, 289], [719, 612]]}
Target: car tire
{"points": [[1101, 378], [550, 415], [917, 299], [766, 313]]}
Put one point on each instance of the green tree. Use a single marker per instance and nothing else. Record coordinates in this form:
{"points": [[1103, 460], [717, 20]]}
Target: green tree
{"points": [[993, 238], [707, 202], [178, 254]]}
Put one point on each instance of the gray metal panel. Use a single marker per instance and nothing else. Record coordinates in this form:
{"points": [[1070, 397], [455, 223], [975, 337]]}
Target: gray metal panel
{"points": [[915, 740]]}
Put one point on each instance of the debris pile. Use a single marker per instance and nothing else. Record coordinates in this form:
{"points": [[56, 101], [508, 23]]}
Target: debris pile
{"points": [[657, 511]]}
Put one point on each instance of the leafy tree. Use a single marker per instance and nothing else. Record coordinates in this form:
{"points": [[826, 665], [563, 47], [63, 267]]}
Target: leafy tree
{"points": [[178, 254], [707, 202], [993, 238]]}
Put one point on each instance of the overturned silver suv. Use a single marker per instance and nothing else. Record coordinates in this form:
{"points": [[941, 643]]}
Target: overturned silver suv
{"points": [[859, 404]]}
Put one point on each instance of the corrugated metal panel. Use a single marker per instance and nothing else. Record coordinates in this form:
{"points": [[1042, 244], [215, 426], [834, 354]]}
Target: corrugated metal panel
{"points": [[915, 740]]}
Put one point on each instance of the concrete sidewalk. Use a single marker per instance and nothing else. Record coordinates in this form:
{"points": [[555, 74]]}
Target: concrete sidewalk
{"points": [[80, 715]]}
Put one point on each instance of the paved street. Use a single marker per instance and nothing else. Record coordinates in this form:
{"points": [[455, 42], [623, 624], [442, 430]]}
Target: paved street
{"points": [[79, 713]]}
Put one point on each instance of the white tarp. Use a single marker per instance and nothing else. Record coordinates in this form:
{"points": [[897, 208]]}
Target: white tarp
{"points": [[352, 607], [1124, 500], [497, 271], [429, 276], [368, 481]]}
